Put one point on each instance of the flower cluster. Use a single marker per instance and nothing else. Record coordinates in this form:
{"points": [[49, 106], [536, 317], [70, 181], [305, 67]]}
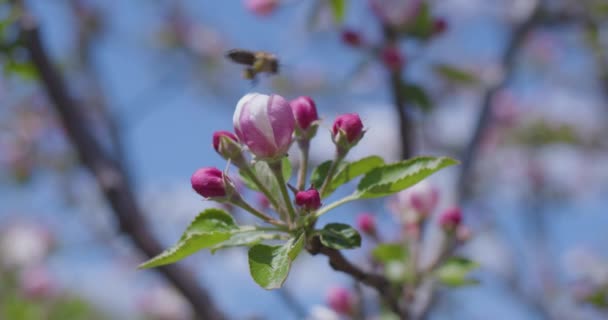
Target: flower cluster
{"points": [[265, 128]]}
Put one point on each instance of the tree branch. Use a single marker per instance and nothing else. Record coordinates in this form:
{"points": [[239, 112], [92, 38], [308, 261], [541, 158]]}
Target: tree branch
{"points": [[339, 263], [508, 60], [406, 129], [109, 174]]}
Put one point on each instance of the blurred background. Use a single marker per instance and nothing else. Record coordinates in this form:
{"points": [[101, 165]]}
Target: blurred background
{"points": [[94, 180]]}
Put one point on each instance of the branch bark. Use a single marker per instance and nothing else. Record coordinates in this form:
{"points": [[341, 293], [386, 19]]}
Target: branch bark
{"points": [[508, 61], [110, 175], [406, 129], [339, 262]]}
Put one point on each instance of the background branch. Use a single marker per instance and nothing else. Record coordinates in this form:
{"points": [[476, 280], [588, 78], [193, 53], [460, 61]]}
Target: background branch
{"points": [[406, 129], [508, 61], [110, 175], [339, 262]]}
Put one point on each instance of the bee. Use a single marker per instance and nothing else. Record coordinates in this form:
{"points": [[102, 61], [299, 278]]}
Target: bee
{"points": [[257, 62]]}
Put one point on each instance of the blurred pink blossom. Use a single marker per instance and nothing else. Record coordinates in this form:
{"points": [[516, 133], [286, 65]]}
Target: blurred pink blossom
{"points": [[261, 7], [37, 283], [164, 304]]}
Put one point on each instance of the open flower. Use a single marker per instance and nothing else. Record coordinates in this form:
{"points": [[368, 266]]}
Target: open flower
{"points": [[265, 124]]}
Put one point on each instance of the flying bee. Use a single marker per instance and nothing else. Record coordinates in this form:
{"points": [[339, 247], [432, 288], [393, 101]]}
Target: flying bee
{"points": [[257, 62]]}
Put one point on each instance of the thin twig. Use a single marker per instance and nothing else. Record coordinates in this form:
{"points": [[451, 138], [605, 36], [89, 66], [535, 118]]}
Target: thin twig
{"points": [[508, 62], [110, 175], [406, 129], [339, 263]]}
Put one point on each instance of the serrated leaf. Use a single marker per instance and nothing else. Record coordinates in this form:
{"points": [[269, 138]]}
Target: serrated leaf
{"points": [[340, 236], [346, 172], [245, 238], [351, 170], [386, 252], [392, 178], [416, 95], [454, 272], [456, 75], [208, 229], [211, 220], [269, 265], [338, 9]]}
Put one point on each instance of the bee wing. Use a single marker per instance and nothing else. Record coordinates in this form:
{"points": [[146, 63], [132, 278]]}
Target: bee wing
{"points": [[241, 56]]}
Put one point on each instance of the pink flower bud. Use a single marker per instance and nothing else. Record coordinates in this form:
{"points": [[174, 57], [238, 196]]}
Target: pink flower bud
{"points": [[309, 199], [265, 124], [450, 219], [209, 182], [396, 12], [226, 144], [340, 300], [439, 26], [304, 111], [261, 7], [392, 58], [420, 199], [347, 127], [366, 223], [36, 283], [263, 201], [351, 38]]}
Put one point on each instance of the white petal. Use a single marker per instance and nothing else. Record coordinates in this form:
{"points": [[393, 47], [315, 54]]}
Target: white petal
{"points": [[258, 113], [239, 108]]}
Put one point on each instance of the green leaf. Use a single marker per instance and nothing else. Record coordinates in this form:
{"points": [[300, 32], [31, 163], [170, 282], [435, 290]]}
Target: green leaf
{"points": [[417, 96], [349, 171], [386, 252], [346, 172], [319, 173], [456, 75], [245, 238], [454, 271], [265, 175], [25, 70], [211, 220], [339, 236], [397, 272], [269, 265], [599, 298], [338, 8], [392, 178], [422, 26], [208, 229]]}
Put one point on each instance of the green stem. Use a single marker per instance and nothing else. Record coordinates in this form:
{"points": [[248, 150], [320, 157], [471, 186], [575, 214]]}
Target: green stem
{"points": [[247, 207], [277, 169], [331, 172], [335, 204], [304, 149], [251, 175], [279, 229]]}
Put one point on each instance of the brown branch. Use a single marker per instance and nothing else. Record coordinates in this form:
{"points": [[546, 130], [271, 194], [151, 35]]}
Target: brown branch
{"points": [[109, 174], [508, 60], [339, 263], [406, 129]]}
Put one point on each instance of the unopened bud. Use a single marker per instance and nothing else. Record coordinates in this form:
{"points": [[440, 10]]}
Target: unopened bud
{"points": [[309, 199], [450, 219]]}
